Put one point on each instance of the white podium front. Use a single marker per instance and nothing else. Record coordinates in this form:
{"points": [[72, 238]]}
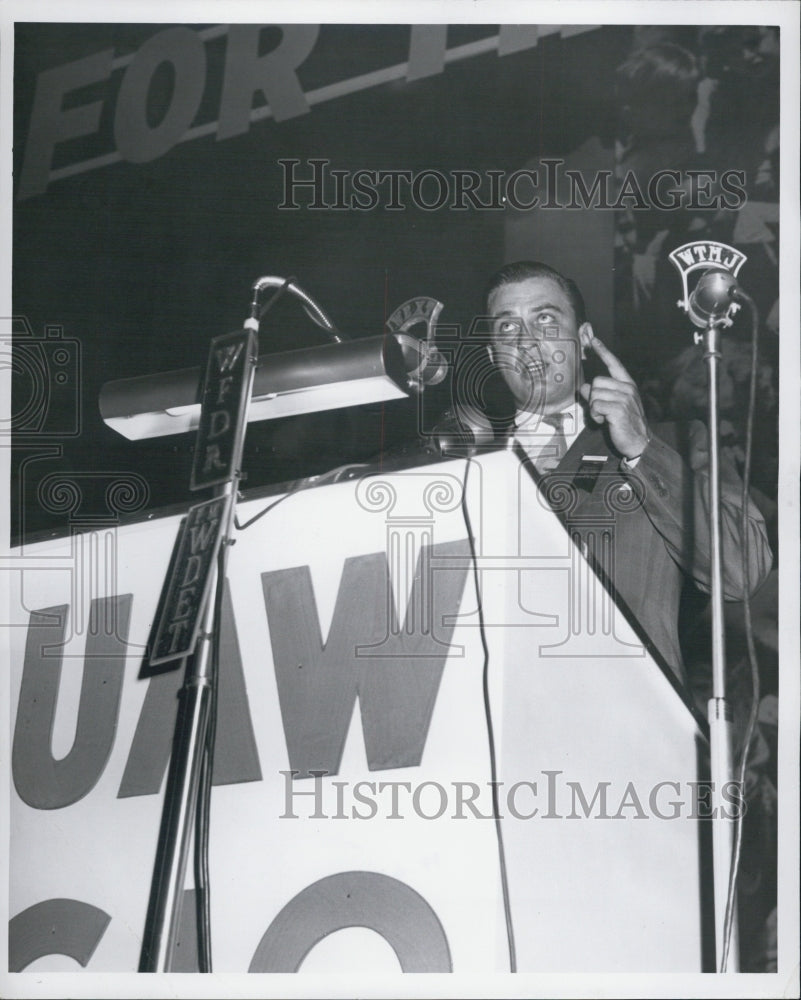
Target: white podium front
{"points": [[367, 705], [606, 874]]}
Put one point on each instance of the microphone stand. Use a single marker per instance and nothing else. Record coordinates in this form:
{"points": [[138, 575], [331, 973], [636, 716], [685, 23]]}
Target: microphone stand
{"points": [[193, 725], [195, 722], [719, 712]]}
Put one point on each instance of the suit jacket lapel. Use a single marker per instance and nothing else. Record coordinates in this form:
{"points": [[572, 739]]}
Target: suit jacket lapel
{"points": [[590, 441], [589, 477]]}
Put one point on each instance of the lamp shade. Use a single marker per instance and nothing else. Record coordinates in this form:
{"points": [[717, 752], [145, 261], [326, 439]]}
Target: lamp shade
{"points": [[308, 380]]}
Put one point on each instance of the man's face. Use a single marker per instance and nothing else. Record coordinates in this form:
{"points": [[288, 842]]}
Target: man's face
{"points": [[537, 344]]}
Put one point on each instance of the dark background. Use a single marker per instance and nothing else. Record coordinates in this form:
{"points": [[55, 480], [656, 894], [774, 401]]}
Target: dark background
{"points": [[142, 264], [138, 266]]}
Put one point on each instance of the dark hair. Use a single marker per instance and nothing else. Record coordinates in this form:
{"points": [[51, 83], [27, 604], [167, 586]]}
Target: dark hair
{"points": [[522, 270]]}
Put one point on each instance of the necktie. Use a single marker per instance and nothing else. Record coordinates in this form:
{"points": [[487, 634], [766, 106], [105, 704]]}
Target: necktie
{"points": [[557, 446]]}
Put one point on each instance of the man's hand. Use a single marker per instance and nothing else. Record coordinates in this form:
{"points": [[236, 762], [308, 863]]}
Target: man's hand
{"points": [[614, 400]]}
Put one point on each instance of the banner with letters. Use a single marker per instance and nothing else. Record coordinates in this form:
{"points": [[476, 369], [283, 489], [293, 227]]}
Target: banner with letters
{"points": [[373, 716]]}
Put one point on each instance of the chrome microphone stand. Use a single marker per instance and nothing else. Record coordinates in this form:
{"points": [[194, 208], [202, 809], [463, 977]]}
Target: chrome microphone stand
{"points": [[719, 712], [711, 305], [226, 396], [195, 716]]}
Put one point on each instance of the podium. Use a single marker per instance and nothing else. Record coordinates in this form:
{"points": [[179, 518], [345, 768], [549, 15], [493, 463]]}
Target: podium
{"points": [[384, 671]]}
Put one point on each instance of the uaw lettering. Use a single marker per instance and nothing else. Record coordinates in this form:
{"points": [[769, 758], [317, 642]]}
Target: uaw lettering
{"points": [[60, 113], [393, 738], [353, 658], [396, 698]]}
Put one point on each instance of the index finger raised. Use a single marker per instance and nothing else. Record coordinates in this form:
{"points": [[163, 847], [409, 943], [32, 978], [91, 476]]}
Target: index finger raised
{"points": [[613, 364]]}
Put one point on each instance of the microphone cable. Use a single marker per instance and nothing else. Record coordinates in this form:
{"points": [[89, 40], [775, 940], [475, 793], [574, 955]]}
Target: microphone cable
{"points": [[202, 817], [331, 477], [203, 810], [507, 908]]}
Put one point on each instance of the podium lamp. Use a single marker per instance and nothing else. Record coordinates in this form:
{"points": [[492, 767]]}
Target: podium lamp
{"points": [[237, 387]]}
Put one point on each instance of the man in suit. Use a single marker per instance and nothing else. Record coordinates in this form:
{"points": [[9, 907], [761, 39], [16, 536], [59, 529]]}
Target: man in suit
{"points": [[594, 435]]}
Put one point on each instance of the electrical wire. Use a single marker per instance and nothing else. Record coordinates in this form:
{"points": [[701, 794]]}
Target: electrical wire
{"points": [[203, 812], [507, 908], [331, 476], [202, 881], [261, 513], [749, 637]]}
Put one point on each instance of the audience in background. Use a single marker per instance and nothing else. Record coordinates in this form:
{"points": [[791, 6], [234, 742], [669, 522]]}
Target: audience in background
{"points": [[685, 99]]}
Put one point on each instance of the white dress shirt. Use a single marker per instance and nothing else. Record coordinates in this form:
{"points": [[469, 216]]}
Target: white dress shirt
{"points": [[538, 438]]}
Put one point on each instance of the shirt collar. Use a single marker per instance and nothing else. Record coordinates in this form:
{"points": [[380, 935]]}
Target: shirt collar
{"points": [[531, 425]]}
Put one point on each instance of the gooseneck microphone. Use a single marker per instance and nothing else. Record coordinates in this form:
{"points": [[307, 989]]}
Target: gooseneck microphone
{"points": [[310, 307]]}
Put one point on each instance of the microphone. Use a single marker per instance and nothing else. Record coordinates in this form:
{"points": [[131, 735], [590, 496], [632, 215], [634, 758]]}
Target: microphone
{"points": [[310, 307], [459, 434], [425, 365], [716, 294]]}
